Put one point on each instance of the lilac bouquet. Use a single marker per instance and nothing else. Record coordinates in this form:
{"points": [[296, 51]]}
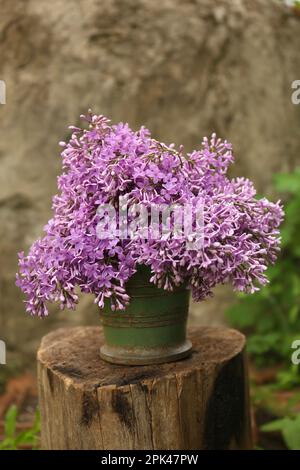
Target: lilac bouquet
{"points": [[105, 162]]}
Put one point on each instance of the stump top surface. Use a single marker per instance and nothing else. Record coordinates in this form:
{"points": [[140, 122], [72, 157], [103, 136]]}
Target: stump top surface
{"points": [[74, 353]]}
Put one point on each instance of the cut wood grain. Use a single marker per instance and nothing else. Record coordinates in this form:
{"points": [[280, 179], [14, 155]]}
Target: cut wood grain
{"points": [[198, 403]]}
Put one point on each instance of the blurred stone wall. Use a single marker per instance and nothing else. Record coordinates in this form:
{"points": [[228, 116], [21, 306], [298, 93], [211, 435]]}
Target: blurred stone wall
{"points": [[184, 68]]}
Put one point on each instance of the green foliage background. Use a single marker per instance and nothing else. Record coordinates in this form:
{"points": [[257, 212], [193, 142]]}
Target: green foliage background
{"points": [[271, 317]]}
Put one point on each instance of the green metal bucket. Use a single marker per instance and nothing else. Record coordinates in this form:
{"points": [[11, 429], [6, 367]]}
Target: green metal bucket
{"points": [[151, 330]]}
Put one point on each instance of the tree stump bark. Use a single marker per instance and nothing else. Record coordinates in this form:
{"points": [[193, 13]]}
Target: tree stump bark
{"points": [[197, 403]]}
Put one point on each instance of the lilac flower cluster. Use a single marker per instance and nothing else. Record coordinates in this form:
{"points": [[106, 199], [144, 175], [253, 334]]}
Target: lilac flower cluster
{"points": [[106, 161]]}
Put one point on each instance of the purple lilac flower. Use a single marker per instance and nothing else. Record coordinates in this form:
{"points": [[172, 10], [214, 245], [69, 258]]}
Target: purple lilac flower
{"points": [[241, 236]]}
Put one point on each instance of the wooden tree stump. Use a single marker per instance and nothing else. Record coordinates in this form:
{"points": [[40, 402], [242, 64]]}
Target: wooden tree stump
{"points": [[197, 403]]}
